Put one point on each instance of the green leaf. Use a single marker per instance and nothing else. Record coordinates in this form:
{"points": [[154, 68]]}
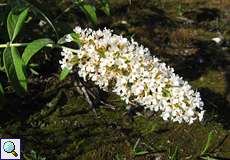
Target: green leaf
{"points": [[1, 89], [90, 11], [64, 73], [15, 69], [105, 7], [33, 48], [15, 23], [75, 37]]}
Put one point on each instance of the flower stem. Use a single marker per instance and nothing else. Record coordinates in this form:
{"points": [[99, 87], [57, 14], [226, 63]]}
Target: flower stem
{"points": [[25, 44], [13, 45]]}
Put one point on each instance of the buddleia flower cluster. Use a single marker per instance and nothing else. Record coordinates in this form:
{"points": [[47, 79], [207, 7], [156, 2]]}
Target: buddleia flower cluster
{"points": [[126, 68]]}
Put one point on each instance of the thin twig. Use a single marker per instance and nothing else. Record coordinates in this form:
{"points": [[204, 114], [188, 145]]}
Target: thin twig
{"points": [[98, 98], [84, 90], [102, 102]]}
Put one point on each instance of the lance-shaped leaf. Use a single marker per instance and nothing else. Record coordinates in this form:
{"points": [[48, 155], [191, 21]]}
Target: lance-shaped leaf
{"points": [[64, 73], [105, 7], [90, 11], [15, 23], [15, 69], [33, 48]]}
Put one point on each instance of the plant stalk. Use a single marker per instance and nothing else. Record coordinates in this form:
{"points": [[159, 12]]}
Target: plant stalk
{"points": [[25, 44]]}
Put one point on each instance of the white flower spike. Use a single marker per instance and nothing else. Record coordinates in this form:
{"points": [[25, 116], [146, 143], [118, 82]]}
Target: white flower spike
{"points": [[126, 68]]}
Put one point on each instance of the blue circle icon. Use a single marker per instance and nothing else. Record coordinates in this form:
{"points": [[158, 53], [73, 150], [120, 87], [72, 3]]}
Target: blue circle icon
{"points": [[9, 147]]}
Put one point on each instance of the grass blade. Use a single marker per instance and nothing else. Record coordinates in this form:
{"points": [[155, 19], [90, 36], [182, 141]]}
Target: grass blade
{"points": [[208, 143], [15, 23]]}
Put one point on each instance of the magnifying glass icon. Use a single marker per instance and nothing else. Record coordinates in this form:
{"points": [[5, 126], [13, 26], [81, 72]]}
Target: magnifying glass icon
{"points": [[9, 147]]}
